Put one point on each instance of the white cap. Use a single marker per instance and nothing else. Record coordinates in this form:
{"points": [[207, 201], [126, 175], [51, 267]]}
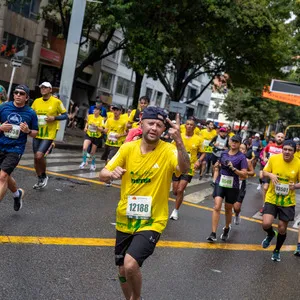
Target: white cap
{"points": [[257, 135], [46, 84]]}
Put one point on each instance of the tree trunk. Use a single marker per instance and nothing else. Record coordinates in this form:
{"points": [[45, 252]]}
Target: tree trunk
{"points": [[137, 88]]}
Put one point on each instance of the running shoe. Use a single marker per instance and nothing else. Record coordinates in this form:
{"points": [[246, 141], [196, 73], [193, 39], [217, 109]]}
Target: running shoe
{"points": [[18, 201], [200, 177], [276, 255], [82, 165], [93, 168], [174, 215], [297, 252], [212, 237], [268, 239], [259, 187], [225, 235], [44, 182], [108, 184], [237, 219], [39, 184]]}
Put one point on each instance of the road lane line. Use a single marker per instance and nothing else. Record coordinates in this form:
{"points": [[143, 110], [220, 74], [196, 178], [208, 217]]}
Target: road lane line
{"points": [[171, 199], [98, 242]]}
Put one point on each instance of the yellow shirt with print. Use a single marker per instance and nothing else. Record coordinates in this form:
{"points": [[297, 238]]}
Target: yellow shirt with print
{"points": [[115, 127], [51, 107], [197, 131], [146, 175], [131, 119], [193, 146], [92, 124], [207, 137], [297, 154], [110, 115], [286, 173]]}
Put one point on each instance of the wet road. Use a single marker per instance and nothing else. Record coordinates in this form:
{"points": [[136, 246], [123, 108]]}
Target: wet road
{"points": [[60, 245]]}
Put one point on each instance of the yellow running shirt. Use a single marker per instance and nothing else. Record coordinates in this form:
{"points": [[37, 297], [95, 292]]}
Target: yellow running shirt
{"points": [[51, 107], [280, 194], [297, 154], [92, 124], [115, 127], [110, 115], [147, 175], [193, 146], [207, 137]]}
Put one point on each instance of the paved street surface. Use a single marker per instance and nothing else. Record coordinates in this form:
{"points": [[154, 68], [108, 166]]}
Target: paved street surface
{"points": [[60, 245]]}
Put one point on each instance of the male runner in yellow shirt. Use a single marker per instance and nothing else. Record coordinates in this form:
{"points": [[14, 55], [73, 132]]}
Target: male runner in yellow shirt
{"points": [[49, 110], [134, 117], [207, 134], [146, 167], [193, 146], [284, 173]]}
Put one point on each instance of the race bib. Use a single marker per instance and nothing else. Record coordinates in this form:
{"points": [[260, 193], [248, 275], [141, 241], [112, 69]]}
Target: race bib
{"points": [[14, 133], [42, 120], [92, 128], [139, 207], [282, 189], [112, 136], [226, 181], [206, 143], [254, 148]]}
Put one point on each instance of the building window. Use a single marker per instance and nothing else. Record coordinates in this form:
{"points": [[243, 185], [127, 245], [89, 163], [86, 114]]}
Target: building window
{"points": [[158, 98], [123, 86], [111, 46], [124, 58], [16, 47], [149, 93], [106, 80], [28, 9], [213, 115]]}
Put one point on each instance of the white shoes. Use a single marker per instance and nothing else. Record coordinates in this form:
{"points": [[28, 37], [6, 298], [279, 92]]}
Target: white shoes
{"points": [[237, 219], [93, 168], [174, 215], [259, 187], [82, 165]]}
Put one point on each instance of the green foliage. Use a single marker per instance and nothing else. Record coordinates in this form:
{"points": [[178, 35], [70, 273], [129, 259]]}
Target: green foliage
{"points": [[247, 39], [240, 104], [243, 105]]}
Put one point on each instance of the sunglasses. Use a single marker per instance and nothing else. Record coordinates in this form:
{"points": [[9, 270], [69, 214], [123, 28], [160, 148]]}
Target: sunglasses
{"points": [[19, 93]]}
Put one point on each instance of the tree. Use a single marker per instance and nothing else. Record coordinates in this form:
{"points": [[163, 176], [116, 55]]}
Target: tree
{"points": [[101, 19], [207, 37], [242, 105]]}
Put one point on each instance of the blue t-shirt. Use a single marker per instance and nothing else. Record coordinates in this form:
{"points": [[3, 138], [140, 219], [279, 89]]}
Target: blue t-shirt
{"points": [[16, 115], [239, 162], [102, 113]]}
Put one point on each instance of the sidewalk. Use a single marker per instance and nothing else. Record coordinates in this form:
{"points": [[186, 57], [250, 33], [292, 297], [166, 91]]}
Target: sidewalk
{"points": [[73, 140]]}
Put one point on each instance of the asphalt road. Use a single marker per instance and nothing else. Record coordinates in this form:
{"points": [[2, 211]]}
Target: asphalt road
{"points": [[60, 246]]}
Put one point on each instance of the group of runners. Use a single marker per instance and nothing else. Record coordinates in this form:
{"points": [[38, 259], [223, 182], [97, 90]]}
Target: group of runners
{"points": [[18, 120], [147, 165]]}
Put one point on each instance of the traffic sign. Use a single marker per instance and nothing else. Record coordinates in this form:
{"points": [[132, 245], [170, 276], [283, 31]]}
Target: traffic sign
{"points": [[285, 87], [16, 63], [177, 107]]}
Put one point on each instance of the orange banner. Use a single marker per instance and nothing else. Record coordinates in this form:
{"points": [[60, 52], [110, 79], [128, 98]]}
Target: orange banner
{"points": [[287, 98]]}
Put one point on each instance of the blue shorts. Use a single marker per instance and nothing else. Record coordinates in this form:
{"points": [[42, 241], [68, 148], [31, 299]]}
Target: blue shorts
{"points": [[39, 145]]}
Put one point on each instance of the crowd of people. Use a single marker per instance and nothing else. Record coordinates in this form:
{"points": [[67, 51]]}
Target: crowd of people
{"points": [[148, 152]]}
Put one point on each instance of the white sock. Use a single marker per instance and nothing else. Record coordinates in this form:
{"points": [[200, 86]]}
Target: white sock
{"points": [[16, 194]]}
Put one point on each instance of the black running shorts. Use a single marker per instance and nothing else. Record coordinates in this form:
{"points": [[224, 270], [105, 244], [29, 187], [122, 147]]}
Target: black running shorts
{"points": [[94, 140], [229, 194], [112, 151], [185, 177], [242, 192], [284, 214], [9, 161], [139, 245]]}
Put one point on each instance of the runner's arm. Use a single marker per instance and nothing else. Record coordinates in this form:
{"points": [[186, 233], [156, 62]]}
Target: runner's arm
{"points": [[107, 176]]}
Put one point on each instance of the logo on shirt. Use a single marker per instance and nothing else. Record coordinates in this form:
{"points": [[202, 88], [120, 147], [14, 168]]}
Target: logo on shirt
{"points": [[155, 166], [14, 118]]}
